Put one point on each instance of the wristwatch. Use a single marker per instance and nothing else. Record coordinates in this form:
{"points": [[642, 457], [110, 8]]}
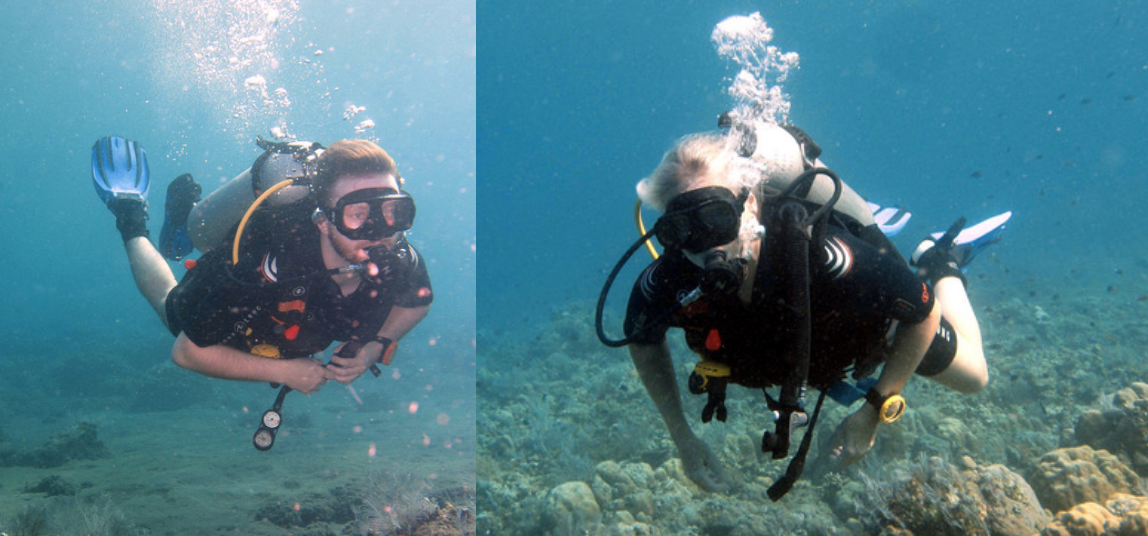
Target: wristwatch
{"points": [[389, 349], [889, 408]]}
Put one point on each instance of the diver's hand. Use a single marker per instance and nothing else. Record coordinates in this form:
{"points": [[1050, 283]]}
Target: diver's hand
{"points": [[702, 466], [348, 369], [855, 436], [305, 375]]}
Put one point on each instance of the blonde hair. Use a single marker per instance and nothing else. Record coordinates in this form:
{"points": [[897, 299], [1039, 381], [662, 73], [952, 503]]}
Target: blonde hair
{"points": [[689, 158]]}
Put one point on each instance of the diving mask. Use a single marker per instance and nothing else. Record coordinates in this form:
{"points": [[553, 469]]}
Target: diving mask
{"points": [[372, 213], [701, 219]]}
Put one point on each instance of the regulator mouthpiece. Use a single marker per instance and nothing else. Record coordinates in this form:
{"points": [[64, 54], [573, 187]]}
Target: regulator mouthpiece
{"points": [[721, 276]]}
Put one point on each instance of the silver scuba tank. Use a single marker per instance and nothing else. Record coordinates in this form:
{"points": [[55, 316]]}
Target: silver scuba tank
{"points": [[212, 219], [784, 159]]}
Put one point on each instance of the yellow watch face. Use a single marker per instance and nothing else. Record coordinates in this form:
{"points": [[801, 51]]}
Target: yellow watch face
{"points": [[892, 409]]}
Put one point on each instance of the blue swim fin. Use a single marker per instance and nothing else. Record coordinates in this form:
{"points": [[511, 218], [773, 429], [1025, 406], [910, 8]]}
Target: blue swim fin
{"points": [[182, 195], [119, 169]]}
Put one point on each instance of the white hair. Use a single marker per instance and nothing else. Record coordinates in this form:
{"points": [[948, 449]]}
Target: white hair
{"points": [[691, 157]]}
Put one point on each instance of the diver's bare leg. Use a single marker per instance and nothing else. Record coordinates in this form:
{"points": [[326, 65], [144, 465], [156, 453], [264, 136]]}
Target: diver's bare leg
{"points": [[153, 276], [968, 372]]}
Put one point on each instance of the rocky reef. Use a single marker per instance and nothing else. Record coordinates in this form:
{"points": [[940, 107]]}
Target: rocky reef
{"points": [[1069, 476], [1055, 445]]}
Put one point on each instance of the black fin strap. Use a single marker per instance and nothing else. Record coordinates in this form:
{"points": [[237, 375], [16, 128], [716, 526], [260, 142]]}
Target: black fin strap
{"points": [[797, 464]]}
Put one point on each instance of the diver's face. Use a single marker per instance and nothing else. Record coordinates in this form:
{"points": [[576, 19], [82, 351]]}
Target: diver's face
{"points": [[354, 251], [733, 247]]}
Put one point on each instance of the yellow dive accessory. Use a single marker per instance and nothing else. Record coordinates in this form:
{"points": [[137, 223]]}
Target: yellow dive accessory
{"points": [[265, 350], [251, 210], [642, 229], [889, 408], [707, 370]]}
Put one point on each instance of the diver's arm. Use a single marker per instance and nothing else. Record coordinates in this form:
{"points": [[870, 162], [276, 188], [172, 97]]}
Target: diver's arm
{"points": [[856, 434], [909, 346], [399, 322], [219, 361], [656, 368]]}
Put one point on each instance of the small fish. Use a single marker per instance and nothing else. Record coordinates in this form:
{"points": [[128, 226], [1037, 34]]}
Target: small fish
{"points": [[977, 175], [1130, 97]]}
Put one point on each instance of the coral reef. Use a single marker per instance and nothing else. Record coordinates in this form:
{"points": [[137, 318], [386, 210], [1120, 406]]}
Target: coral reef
{"points": [[560, 409], [1119, 426], [934, 497], [80, 443], [571, 507], [1122, 515], [1070, 476]]}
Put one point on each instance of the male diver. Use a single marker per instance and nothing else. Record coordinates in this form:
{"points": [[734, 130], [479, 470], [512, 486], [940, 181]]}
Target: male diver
{"points": [[329, 262], [734, 294]]}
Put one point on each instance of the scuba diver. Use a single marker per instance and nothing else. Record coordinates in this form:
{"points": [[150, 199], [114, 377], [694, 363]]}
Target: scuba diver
{"points": [[779, 275], [320, 256]]}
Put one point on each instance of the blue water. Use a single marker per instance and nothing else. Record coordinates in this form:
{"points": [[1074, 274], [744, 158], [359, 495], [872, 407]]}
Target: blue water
{"points": [[177, 77], [1034, 107]]}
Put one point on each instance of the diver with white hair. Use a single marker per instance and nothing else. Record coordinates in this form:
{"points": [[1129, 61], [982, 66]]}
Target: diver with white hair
{"points": [[779, 275]]}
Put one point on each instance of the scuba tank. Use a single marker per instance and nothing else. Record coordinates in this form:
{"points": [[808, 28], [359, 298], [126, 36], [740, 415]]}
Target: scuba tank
{"points": [[787, 152], [213, 220]]}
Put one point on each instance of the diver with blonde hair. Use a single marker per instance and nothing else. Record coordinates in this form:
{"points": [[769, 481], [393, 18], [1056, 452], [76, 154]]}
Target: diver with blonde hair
{"points": [[743, 222]]}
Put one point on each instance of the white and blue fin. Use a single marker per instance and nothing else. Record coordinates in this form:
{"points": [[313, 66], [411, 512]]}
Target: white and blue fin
{"points": [[971, 240], [891, 220]]}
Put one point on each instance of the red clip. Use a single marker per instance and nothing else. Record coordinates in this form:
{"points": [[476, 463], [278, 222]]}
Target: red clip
{"points": [[189, 264], [291, 332], [713, 340]]}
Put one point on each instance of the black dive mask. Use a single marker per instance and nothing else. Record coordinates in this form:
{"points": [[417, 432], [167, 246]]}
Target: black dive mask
{"points": [[701, 219], [372, 213]]}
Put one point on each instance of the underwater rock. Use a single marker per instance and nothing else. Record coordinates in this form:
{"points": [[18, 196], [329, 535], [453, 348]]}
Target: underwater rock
{"points": [[53, 486], [623, 524], [938, 499], [625, 487], [1120, 427], [1069, 476], [1122, 515], [642, 494], [571, 508], [80, 443]]}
